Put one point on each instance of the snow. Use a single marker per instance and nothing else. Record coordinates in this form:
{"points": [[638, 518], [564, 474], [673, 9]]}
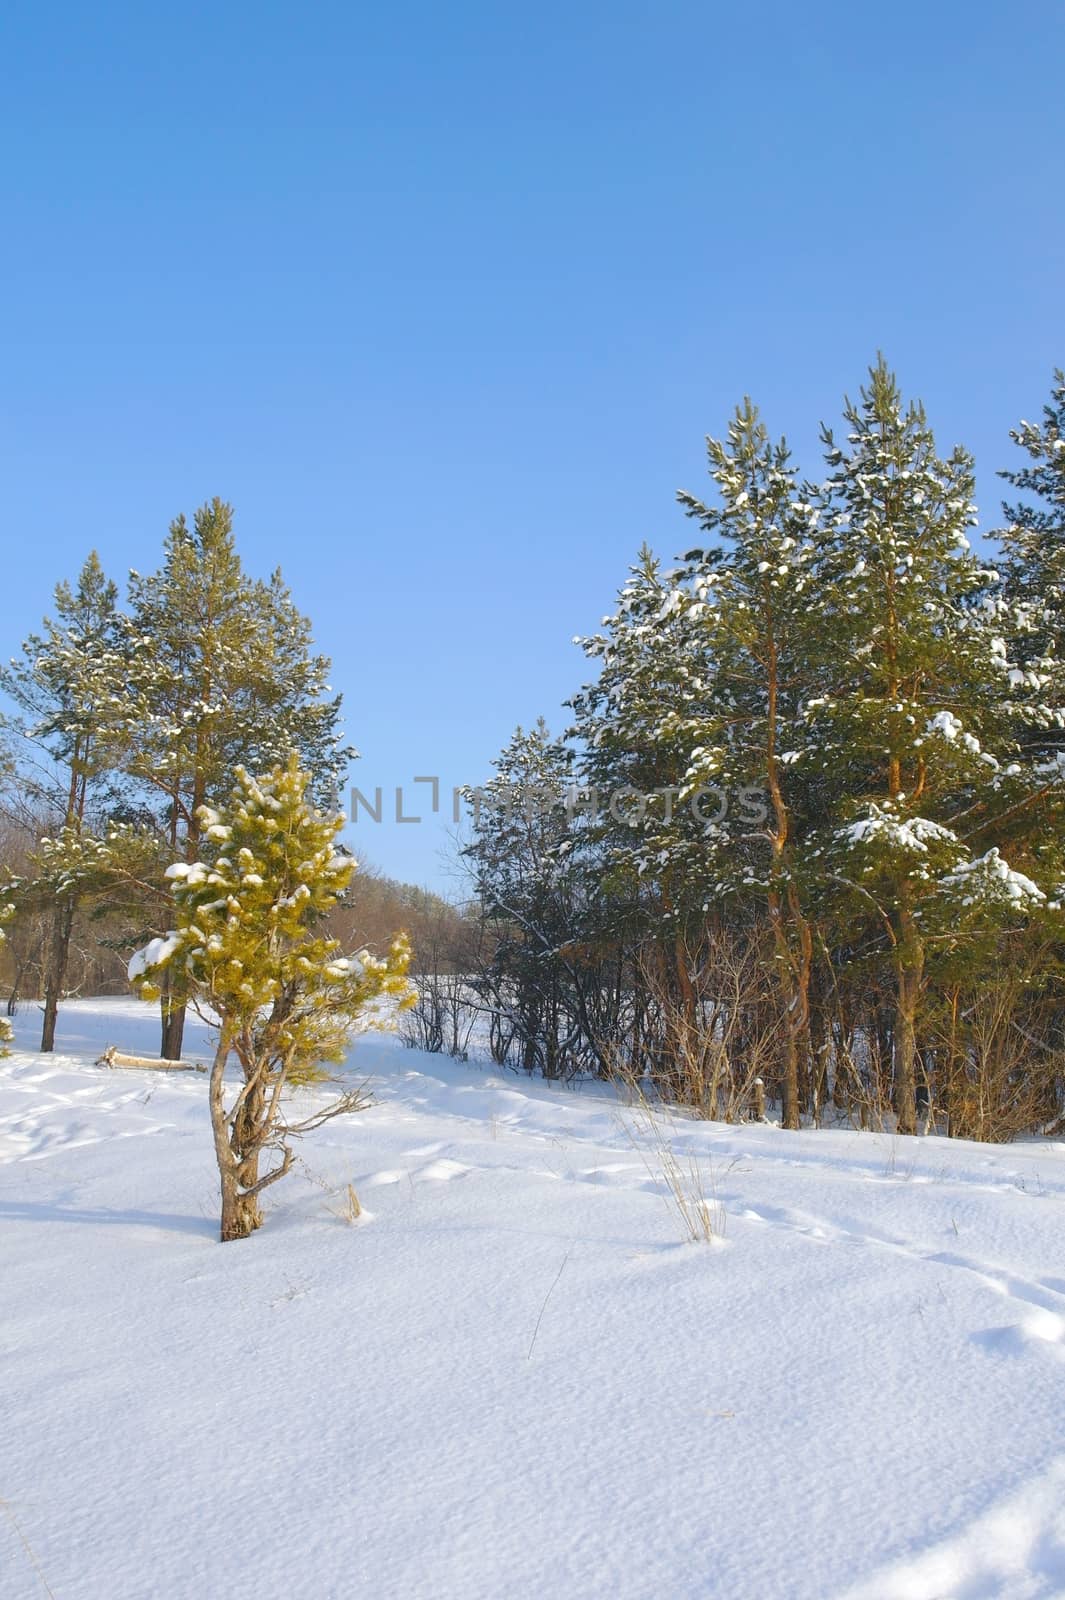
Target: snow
{"points": [[513, 1376], [193, 873], [156, 953], [913, 833], [991, 874], [947, 724], [346, 967]]}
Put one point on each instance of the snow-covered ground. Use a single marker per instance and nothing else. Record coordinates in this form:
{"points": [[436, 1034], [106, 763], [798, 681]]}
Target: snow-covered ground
{"points": [[513, 1377]]}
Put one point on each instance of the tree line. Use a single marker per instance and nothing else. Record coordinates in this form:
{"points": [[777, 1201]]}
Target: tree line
{"points": [[802, 839], [885, 942], [172, 772], [126, 724]]}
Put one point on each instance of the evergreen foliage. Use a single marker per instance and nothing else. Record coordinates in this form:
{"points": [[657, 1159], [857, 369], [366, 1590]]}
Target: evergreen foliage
{"points": [[220, 673], [66, 689], [251, 951], [896, 701], [144, 715]]}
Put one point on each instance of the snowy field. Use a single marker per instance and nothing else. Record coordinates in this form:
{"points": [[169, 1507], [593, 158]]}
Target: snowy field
{"points": [[513, 1377]]}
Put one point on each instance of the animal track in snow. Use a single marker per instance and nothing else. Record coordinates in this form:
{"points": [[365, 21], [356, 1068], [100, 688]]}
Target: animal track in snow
{"points": [[378, 1179], [1040, 1303], [442, 1171]]}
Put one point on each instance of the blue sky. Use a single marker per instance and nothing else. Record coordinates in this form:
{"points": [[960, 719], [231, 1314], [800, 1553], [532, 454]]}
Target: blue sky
{"points": [[445, 298]]}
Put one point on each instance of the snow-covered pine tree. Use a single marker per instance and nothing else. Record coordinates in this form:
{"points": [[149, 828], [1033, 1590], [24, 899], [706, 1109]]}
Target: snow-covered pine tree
{"points": [[221, 673], [67, 685], [914, 733], [250, 950], [529, 890], [1033, 622], [1034, 545], [650, 854], [756, 614], [652, 858]]}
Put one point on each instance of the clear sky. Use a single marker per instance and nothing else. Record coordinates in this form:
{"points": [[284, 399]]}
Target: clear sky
{"points": [[445, 297]]}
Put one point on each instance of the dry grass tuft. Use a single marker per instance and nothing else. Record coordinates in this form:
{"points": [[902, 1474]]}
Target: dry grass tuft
{"points": [[689, 1186]]}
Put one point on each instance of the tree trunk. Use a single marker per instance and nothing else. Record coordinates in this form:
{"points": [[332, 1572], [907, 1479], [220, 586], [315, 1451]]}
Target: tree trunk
{"points": [[819, 1050], [241, 1213], [173, 1001], [910, 963], [794, 957], [59, 949], [173, 1035], [172, 1014], [246, 1143], [21, 963], [790, 1089], [955, 1076]]}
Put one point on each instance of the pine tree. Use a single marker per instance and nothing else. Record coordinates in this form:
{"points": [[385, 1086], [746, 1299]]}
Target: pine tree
{"points": [[635, 750], [529, 892], [67, 686], [652, 853], [697, 706], [1034, 545], [1034, 624], [220, 673], [914, 732], [644, 859], [249, 948], [758, 613]]}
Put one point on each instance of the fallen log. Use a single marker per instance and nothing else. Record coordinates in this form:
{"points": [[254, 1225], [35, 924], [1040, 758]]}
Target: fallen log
{"points": [[113, 1057]]}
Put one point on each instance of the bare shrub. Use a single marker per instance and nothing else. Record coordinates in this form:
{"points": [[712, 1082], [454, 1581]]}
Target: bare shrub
{"points": [[712, 1038], [1000, 1060], [442, 1018]]}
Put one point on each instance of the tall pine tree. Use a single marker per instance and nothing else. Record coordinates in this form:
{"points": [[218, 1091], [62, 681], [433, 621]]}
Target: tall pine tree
{"points": [[1034, 544], [759, 614], [914, 730], [221, 673]]}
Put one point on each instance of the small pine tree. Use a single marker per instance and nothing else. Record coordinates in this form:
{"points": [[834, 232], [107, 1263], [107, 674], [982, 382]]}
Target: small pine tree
{"points": [[249, 949]]}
